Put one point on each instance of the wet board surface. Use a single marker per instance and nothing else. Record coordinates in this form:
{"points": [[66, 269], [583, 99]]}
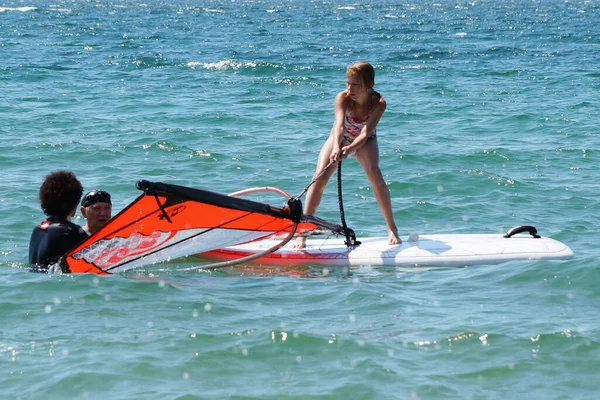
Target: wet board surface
{"points": [[436, 249]]}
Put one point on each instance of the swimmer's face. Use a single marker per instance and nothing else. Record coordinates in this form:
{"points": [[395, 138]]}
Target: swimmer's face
{"points": [[97, 215], [355, 86]]}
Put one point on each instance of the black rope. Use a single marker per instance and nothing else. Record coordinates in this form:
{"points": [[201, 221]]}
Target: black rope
{"points": [[150, 189], [349, 233], [350, 236], [315, 179]]}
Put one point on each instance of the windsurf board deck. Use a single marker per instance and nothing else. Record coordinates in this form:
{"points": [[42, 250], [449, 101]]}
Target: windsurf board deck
{"points": [[446, 250]]}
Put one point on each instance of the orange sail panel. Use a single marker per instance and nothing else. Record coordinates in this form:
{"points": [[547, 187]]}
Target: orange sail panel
{"points": [[171, 221]]}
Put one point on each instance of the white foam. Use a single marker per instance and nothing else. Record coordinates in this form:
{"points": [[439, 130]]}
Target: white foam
{"points": [[20, 9]]}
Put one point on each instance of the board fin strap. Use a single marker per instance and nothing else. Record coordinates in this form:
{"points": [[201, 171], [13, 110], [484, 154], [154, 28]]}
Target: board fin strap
{"points": [[523, 228]]}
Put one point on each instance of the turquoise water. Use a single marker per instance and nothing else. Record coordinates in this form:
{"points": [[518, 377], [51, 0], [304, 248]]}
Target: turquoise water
{"points": [[491, 123]]}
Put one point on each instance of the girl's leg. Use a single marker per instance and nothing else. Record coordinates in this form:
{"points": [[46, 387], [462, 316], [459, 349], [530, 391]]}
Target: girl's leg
{"points": [[368, 157], [315, 192]]}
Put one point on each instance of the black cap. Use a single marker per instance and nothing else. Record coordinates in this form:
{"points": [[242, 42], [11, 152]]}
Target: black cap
{"points": [[96, 196]]}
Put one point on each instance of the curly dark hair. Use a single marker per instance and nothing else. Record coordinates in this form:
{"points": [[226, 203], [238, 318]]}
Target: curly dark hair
{"points": [[60, 193]]}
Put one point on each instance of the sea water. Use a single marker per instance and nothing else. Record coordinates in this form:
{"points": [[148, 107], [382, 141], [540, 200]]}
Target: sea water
{"points": [[492, 122]]}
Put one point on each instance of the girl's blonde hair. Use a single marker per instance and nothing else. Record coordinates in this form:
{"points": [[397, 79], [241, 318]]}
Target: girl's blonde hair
{"points": [[364, 71]]}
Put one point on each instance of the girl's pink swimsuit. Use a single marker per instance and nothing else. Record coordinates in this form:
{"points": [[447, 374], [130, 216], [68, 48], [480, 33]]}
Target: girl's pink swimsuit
{"points": [[352, 128]]}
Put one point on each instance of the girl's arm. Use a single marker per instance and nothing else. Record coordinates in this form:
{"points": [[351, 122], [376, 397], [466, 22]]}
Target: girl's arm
{"points": [[337, 132]]}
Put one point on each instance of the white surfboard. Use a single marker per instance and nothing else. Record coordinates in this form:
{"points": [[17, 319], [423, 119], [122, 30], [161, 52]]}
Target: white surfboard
{"points": [[449, 250]]}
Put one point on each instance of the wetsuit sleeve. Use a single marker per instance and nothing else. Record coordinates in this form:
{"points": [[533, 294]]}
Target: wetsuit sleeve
{"points": [[35, 245]]}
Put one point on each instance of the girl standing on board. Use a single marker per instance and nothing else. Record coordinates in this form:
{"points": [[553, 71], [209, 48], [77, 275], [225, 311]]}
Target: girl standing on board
{"points": [[357, 111]]}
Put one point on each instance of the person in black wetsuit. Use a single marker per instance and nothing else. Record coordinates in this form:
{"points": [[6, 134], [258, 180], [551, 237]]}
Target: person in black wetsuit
{"points": [[54, 237]]}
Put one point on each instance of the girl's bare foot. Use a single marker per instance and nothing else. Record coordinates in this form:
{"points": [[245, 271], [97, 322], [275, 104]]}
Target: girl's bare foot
{"points": [[300, 243], [393, 238]]}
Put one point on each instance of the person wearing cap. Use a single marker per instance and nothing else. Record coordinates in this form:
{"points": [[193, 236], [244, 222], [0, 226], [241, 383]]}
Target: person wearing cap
{"points": [[96, 207], [51, 239]]}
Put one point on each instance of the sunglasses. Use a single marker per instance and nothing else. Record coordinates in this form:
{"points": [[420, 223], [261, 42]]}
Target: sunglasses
{"points": [[96, 196]]}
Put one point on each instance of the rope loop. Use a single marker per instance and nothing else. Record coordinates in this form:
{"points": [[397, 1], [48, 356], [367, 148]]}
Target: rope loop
{"points": [[350, 236]]}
